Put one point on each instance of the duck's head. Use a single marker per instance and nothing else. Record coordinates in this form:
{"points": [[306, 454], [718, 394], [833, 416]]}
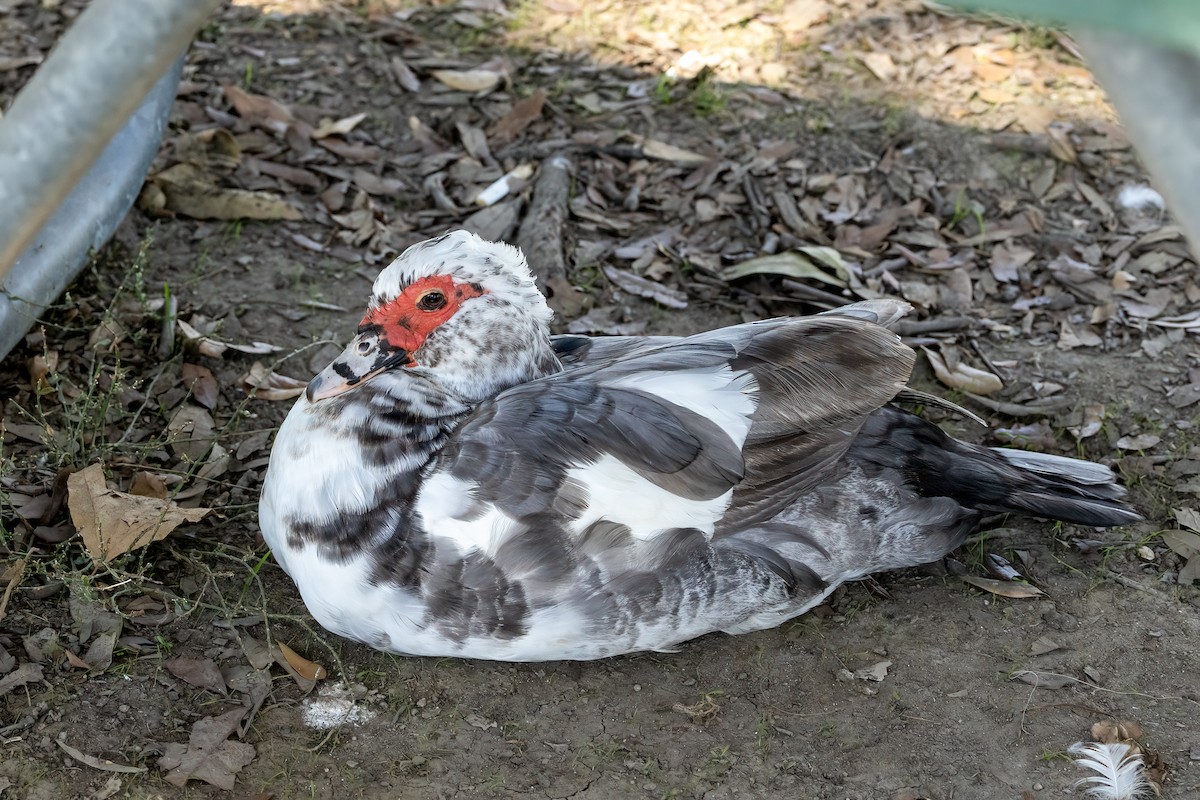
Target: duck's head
{"points": [[457, 310]]}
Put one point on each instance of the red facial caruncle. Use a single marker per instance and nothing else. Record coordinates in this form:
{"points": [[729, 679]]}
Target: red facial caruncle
{"points": [[424, 305]]}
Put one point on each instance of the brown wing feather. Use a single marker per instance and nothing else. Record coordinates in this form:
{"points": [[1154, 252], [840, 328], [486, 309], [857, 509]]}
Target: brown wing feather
{"points": [[818, 379]]}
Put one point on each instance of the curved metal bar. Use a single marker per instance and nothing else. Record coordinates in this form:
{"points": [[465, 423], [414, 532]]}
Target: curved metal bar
{"points": [[87, 218], [92, 81]]}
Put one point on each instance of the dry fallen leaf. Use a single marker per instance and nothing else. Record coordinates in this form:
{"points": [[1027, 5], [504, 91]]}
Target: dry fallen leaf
{"points": [[147, 484], [190, 192], [11, 578], [259, 110], [201, 383], [1186, 545], [963, 376], [792, 264], [1093, 421], [201, 672], [469, 80], [214, 348], [637, 285], [1012, 589], [190, 432], [26, 673], [340, 127], [1142, 441], [876, 672], [41, 367], [652, 148], [305, 668], [1110, 731], [519, 117], [112, 522], [264, 384], [404, 75], [97, 763], [209, 755], [1043, 645]]}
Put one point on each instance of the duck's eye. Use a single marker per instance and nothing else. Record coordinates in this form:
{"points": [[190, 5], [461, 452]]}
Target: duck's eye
{"points": [[431, 301]]}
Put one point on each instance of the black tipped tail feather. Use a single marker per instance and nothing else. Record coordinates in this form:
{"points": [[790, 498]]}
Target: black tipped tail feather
{"points": [[992, 479]]}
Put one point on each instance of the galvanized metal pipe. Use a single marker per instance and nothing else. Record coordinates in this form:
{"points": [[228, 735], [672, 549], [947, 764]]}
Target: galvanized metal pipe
{"points": [[1156, 90], [79, 97], [87, 217]]}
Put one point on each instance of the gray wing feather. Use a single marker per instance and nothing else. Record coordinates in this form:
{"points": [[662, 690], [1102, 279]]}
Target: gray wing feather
{"points": [[817, 379]]}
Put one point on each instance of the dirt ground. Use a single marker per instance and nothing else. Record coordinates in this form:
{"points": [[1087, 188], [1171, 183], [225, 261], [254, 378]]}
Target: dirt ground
{"points": [[970, 166]]}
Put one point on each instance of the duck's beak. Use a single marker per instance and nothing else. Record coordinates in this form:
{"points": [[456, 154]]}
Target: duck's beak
{"points": [[362, 360]]}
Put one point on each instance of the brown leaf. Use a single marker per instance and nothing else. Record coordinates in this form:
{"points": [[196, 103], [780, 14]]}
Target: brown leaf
{"points": [[1006, 259], [299, 665], [201, 672], [652, 148], [201, 383], [355, 152], [267, 385], [296, 176], [1110, 731], [12, 577], [214, 348], [26, 673], [147, 484], [112, 522], [259, 110], [190, 192], [377, 185], [41, 367], [215, 149], [520, 117], [963, 376], [340, 127], [190, 432], [1093, 421], [792, 264], [1183, 543], [1061, 146], [1012, 589], [209, 755]]}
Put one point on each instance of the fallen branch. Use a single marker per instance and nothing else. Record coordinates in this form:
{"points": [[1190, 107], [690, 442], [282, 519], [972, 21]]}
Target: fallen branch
{"points": [[540, 236]]}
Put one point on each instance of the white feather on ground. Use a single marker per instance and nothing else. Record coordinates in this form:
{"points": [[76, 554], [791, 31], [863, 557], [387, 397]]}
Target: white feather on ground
{"points": [[1120, 770]]}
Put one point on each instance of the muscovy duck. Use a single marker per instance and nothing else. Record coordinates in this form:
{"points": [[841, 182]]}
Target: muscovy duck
{"points": [[458, 482]]}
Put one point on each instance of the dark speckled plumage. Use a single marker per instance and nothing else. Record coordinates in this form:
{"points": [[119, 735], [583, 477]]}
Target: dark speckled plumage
{"points": [[507, 495]]}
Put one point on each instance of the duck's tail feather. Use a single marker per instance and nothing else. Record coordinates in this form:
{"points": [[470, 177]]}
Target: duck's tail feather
{"points": [[992, 479], [1070, 489]]}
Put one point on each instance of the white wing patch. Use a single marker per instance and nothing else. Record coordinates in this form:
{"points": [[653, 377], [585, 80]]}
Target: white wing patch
{"points": [[722, 395], [618, 494], [444, 499]]}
